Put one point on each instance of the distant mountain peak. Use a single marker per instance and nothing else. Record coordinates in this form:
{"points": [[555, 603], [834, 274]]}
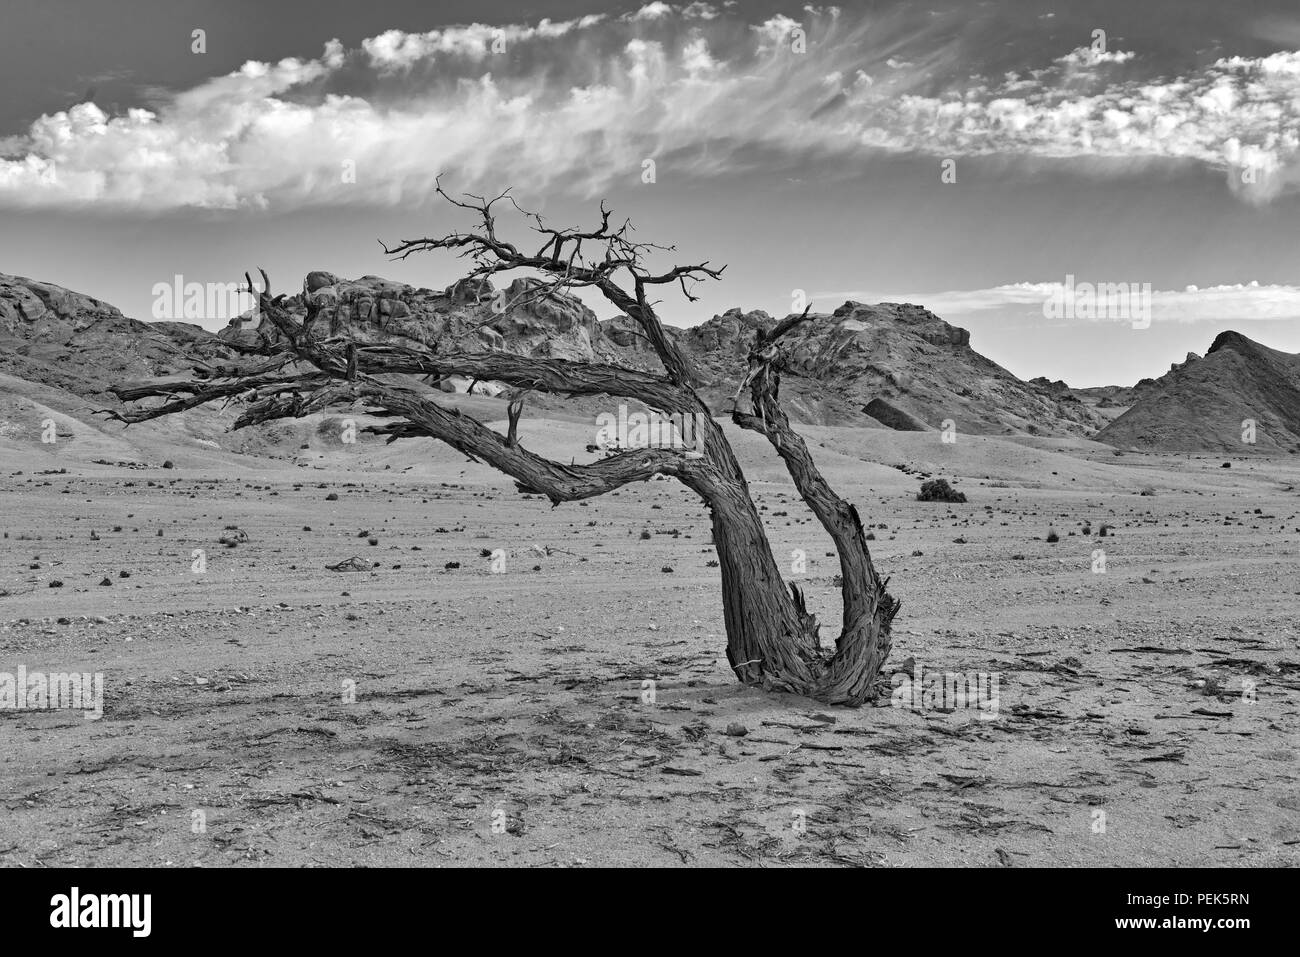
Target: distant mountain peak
{"points": [[1241, 397], [1228, 339]]}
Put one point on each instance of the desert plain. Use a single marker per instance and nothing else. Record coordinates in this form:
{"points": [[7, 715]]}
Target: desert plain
{"points": [[506, 683]]}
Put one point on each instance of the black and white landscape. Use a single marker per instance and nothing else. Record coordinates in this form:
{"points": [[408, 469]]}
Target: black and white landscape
{"points": [[710, 434]]}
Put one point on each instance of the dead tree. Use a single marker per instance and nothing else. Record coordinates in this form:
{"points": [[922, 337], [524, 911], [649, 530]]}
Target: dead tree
{"points": [[772, 639]]}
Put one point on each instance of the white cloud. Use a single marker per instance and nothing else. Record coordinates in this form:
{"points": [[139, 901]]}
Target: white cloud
{"points": [[1024, 300], [396, 50], [653, 11], [577, 105], [1089, 56]]}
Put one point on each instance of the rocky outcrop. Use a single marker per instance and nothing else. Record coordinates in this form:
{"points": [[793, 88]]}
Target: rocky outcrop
{"points": [[57, 337], [894, 418], [1057, 388], [898, 354], [518, 318]]}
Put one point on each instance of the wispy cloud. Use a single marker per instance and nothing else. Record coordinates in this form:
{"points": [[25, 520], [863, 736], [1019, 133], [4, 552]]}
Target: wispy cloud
{"points": [[1025, 300], [578, 105]]}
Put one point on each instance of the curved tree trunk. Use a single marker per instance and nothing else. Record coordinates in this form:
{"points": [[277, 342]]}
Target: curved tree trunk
{"points": [[769, 644], [848, 674], [772, 640]]}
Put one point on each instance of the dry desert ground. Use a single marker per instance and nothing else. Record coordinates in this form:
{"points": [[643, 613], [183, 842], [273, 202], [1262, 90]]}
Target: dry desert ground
{"points": [[1146, 714]]}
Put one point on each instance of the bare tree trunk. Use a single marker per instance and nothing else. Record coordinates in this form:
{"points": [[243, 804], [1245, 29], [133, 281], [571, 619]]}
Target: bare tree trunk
{"points": [[849, 673], [768, 644], [772, 639]]}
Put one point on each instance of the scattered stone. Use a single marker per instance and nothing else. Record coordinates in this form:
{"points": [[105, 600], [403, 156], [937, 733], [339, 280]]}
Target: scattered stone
{"points": [[353, 564]]}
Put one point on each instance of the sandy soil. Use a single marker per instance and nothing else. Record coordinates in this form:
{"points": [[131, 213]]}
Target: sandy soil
{"points": [[500, 719]]}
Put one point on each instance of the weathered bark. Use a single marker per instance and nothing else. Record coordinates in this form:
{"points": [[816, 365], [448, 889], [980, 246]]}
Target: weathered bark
{"points": [[772, 639], [769, 644]]}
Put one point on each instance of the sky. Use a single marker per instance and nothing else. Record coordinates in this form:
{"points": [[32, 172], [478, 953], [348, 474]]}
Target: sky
{"points": [[978, 158]]}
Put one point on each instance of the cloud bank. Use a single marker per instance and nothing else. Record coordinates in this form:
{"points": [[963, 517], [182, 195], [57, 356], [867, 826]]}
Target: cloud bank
{"points": [[579, 105], [1024, 300]]}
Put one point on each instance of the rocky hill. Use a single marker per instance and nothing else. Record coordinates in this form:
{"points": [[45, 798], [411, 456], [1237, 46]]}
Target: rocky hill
{"points": [[1205, 404], [55, 337], [891, 364], [911, 367], [903, 358], [465, 316]]}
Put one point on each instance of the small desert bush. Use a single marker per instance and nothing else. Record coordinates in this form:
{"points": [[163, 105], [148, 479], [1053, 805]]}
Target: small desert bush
{"points": [[938, 490]]}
